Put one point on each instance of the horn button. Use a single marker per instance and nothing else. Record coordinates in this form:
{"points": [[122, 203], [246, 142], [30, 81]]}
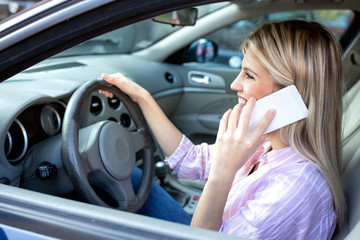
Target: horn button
{"points": [[116, 151]]}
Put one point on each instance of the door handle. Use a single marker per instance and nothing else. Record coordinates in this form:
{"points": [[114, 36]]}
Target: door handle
{"points": [[200, 78]]}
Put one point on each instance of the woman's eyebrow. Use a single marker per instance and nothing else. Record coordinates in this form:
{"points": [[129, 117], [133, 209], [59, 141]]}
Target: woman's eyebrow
{"points": [[249, 70]]}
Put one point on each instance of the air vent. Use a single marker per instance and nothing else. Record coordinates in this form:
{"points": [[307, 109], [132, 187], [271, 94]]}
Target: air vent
{"points": [[169, 77], [114, 102], [96, 106], [125, 120]]}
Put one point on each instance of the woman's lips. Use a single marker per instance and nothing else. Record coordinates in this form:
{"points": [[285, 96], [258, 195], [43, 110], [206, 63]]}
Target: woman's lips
{"points": [[241, 100]]}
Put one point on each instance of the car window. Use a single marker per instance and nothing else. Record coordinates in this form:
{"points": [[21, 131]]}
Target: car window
{"points": [[230, 38], [9, 8]]}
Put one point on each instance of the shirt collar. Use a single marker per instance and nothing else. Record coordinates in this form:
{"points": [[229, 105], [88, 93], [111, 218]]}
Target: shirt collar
{"points": [[271, 155]]}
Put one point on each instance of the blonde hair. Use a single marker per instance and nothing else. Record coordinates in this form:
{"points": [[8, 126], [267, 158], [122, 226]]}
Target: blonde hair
{"points": [[307, 55]]}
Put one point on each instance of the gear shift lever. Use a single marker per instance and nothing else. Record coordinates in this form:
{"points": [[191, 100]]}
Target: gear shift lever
{"points": [[161, 169]]}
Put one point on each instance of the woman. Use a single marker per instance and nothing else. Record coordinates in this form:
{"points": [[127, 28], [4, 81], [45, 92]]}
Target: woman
{"points": [[286, 184]]}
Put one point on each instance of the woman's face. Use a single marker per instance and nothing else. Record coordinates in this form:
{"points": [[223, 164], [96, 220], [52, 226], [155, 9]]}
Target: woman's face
{"points": [[253, 80]]}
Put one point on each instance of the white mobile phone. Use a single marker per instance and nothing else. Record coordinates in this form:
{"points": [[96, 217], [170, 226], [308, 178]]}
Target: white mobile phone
{"points": [[288, 104]]}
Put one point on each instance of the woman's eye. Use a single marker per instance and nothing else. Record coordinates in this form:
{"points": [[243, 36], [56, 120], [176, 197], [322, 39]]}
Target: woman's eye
{"points": [[248, 75]]}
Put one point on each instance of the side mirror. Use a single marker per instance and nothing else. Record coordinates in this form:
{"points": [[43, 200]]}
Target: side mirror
{"points": [[201, 50], [184, 17]]}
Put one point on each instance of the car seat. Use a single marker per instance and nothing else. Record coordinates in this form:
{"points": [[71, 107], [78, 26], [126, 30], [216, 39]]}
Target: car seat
{"points": [[351, 162]]}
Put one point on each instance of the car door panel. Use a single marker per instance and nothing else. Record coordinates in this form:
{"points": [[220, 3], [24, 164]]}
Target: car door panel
{"points": [[206, 96], [29, 213]]}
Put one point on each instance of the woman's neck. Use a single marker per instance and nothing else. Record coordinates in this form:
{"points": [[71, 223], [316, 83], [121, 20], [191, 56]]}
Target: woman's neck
{"points": [[275, 139]]}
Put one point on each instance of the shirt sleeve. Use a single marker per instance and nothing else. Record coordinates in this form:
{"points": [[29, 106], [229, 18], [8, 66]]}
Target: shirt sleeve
{"points": [[191, 161]]}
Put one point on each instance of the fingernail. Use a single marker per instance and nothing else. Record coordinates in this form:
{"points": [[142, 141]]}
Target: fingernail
{"points": [[252, 99], [272, 112]]}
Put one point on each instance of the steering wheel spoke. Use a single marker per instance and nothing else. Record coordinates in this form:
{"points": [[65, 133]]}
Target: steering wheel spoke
{"points": [[89, 147], [124, 193], [115, 193], [139, 141]]}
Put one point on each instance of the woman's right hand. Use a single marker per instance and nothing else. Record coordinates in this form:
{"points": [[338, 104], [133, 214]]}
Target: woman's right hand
{"points": [[166, 134], [132, 89]]}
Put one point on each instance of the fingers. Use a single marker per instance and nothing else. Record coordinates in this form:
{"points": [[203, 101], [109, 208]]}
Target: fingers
{"points": [[265, 122], [244, 120], [126, 85], [229, 120], [223, 124], [106, 77], [114, 79], [246, 116], [106, 93], [234, 117]]}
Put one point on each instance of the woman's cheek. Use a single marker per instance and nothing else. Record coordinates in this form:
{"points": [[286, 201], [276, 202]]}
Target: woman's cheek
{"points": [[248, 92]]}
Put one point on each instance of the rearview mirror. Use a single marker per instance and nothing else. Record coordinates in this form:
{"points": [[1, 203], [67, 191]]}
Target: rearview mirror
{"points": [[184, 17]]}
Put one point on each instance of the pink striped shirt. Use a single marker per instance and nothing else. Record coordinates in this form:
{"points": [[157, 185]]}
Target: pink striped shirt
{"points": [[286, 198]]}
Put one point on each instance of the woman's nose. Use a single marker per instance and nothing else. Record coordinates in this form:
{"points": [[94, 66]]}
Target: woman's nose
{"points": [[237, 84]]}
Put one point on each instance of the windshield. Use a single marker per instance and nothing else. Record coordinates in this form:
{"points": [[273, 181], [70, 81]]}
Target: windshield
{"points": [[133, 37], [124, 40]]}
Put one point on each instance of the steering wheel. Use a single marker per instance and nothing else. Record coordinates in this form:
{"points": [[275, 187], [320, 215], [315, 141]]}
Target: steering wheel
{"points": [[102, 156]]}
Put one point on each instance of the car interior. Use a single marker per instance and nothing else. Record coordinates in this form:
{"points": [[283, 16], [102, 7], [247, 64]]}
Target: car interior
{"points": [[194, 93]]}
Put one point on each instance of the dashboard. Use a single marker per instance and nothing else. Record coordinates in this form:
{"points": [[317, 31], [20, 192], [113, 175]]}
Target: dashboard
{"points": [[33, 104], [33, 140], [39, 122]]}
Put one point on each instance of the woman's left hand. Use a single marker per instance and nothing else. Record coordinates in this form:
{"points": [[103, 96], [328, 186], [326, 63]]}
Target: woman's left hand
{"points": [[235, 143], [234, 146]]}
